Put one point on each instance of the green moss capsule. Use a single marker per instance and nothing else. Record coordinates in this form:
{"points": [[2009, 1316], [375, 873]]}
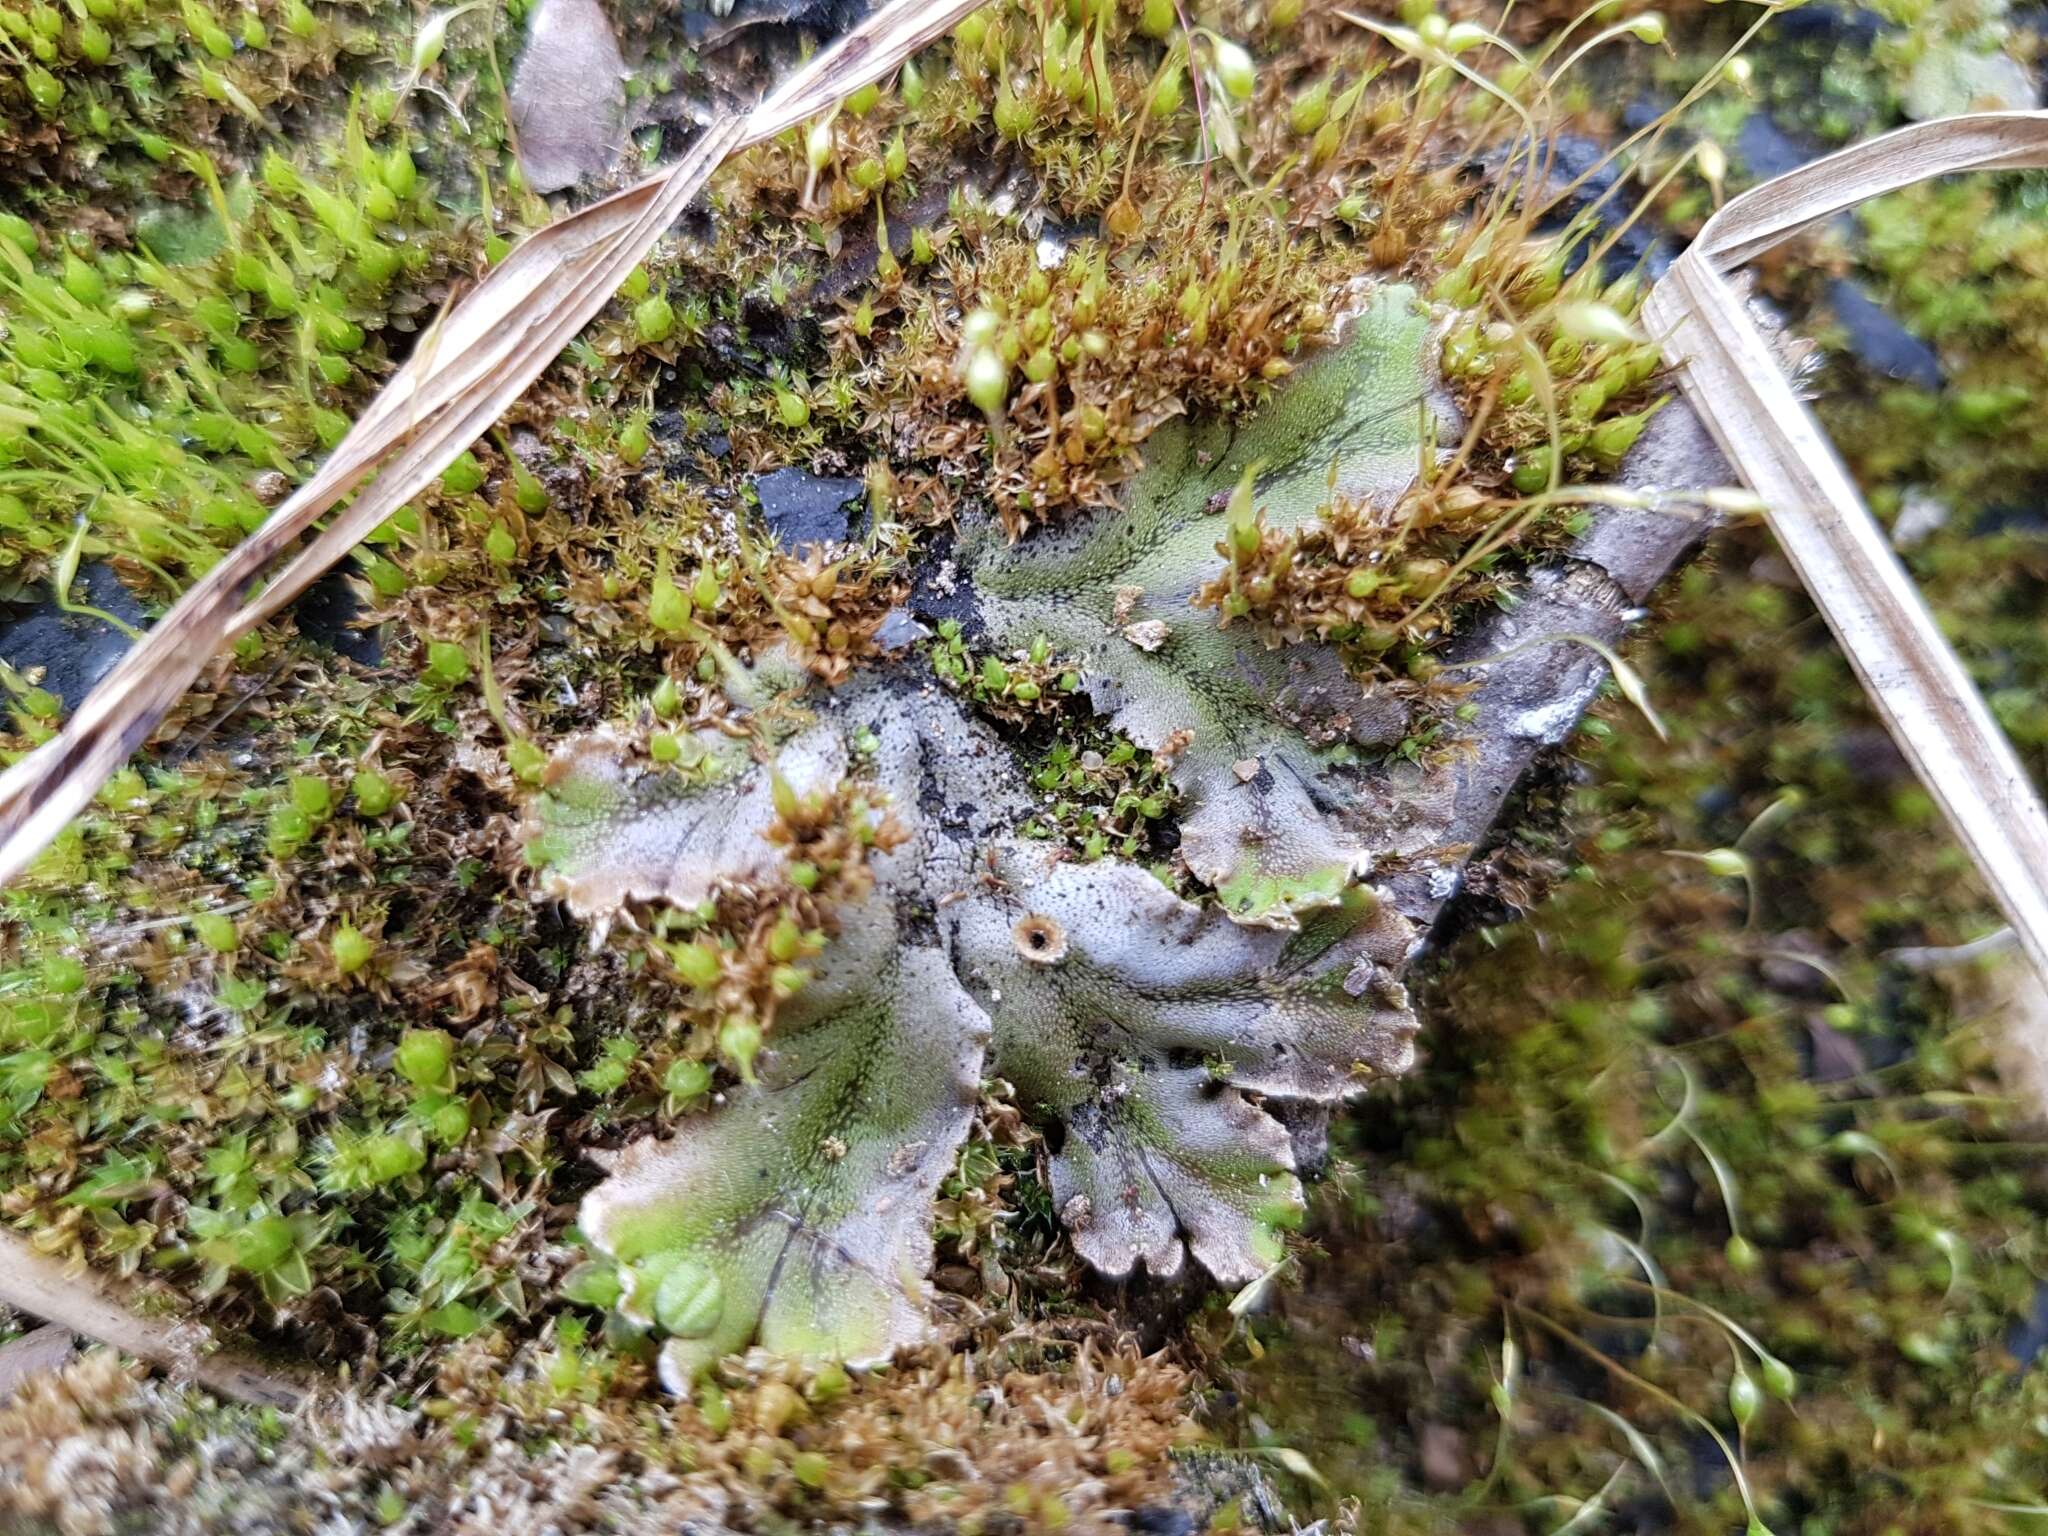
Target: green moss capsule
{"points": [[425, 1058], [698, 963], [216, 930], [686, 1080], [668, 608], [311, 794], [464, 475], [654, 318], [352, 949], [739, 1041], [447, 663], [388, 1158]]}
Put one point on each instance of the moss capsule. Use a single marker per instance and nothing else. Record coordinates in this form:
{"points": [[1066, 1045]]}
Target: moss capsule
{"points": [[352, 949], [425, 1058]]}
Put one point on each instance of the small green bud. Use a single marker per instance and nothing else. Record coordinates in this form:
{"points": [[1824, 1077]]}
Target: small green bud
{"points": [[1311, 109], [668, 609], [45, 90], [311, 795], [82, 280], [1613, 439], [988, 380], [525, 759], [634, 441], [1728, 863], [830, 1383], [286, 831], [374, 793], [528, 494], [654, 318], [352, 949], [1742, 1255], [216, 930], [739, 1041], [1235, 69], [686, 1080], [1779, 1379], [499, 544], [389, 1158], [449, 1122], [464, 475], [1013, 116], [1168, 90], [698, 963], [795, 410], [1531, 472], [424, 1058], [447, 663]]}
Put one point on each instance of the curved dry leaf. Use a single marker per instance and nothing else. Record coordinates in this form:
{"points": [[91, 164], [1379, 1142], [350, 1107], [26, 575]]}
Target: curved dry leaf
{"points": [[568, 94]]}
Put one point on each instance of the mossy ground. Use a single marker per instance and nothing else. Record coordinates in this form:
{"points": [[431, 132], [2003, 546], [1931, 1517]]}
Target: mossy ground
{"points": [[221, 1074]]}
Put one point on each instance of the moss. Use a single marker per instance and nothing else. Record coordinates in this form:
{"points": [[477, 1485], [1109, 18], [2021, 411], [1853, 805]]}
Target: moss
{"points": [[315, 932], [377, 1155]]}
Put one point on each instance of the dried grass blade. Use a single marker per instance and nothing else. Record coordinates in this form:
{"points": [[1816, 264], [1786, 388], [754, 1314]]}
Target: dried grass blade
{"points": [[487, 350], [42, 1287], [1733, 380]]}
